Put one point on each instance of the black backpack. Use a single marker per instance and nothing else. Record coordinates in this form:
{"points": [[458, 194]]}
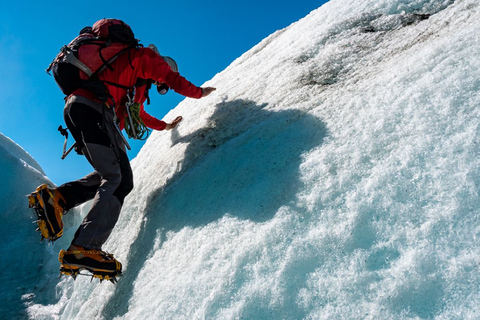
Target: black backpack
{"points": [[81, 61]]}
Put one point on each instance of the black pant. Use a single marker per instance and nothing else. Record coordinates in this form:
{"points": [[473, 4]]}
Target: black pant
{"points": [[112, 179]]}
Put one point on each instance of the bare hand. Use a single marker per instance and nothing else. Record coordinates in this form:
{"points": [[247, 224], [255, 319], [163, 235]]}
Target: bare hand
{"points": [[174, 123], [206, 91]]}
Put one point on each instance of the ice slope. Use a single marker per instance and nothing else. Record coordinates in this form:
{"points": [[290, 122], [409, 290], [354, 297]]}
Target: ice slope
{"points": [[333, 175]]}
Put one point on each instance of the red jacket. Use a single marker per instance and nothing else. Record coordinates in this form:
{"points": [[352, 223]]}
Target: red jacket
{"points": [[146, 64]]}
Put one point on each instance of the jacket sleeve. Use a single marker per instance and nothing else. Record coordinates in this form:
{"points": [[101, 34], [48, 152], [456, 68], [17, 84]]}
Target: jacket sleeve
{"points": [[151, 121], [152, 66]]}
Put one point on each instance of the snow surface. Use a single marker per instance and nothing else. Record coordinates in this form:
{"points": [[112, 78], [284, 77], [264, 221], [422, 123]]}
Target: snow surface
{"points": [[333, 175]]}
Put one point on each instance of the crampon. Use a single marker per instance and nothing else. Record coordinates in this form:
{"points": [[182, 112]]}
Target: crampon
{"points": [[94, 263], [49, 207]]}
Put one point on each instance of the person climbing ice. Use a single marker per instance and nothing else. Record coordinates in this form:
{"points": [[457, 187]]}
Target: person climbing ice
{"points": [[111, 75]]}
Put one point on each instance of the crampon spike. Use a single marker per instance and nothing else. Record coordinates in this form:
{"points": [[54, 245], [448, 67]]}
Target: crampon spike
{"points": [[100, 276], [31, 201]]}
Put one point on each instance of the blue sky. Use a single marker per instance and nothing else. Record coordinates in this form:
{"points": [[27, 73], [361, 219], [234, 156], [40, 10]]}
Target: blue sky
{"points": [[203, 37]]}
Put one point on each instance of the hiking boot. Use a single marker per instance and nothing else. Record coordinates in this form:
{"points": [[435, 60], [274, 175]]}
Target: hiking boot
{"points": [[49, 206], [100, 264]]}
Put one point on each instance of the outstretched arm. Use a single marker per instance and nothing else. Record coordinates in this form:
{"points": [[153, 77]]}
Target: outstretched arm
{"points": [[205, 92], [151, 121]]}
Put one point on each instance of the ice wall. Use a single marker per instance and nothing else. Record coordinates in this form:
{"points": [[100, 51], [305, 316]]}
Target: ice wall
{"points": [[21, 259]]}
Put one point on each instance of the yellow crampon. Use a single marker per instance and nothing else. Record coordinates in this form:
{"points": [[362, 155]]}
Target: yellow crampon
{"points": [[95, 270], [49, 208]]}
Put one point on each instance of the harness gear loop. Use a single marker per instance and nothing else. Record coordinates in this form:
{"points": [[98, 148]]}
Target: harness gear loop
{"points": [[134, 126], [128, 104]]}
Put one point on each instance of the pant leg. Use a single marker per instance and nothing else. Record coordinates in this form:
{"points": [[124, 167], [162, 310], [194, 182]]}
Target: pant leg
{"points": [[102, 217], [81, 190], [108, 185]]}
